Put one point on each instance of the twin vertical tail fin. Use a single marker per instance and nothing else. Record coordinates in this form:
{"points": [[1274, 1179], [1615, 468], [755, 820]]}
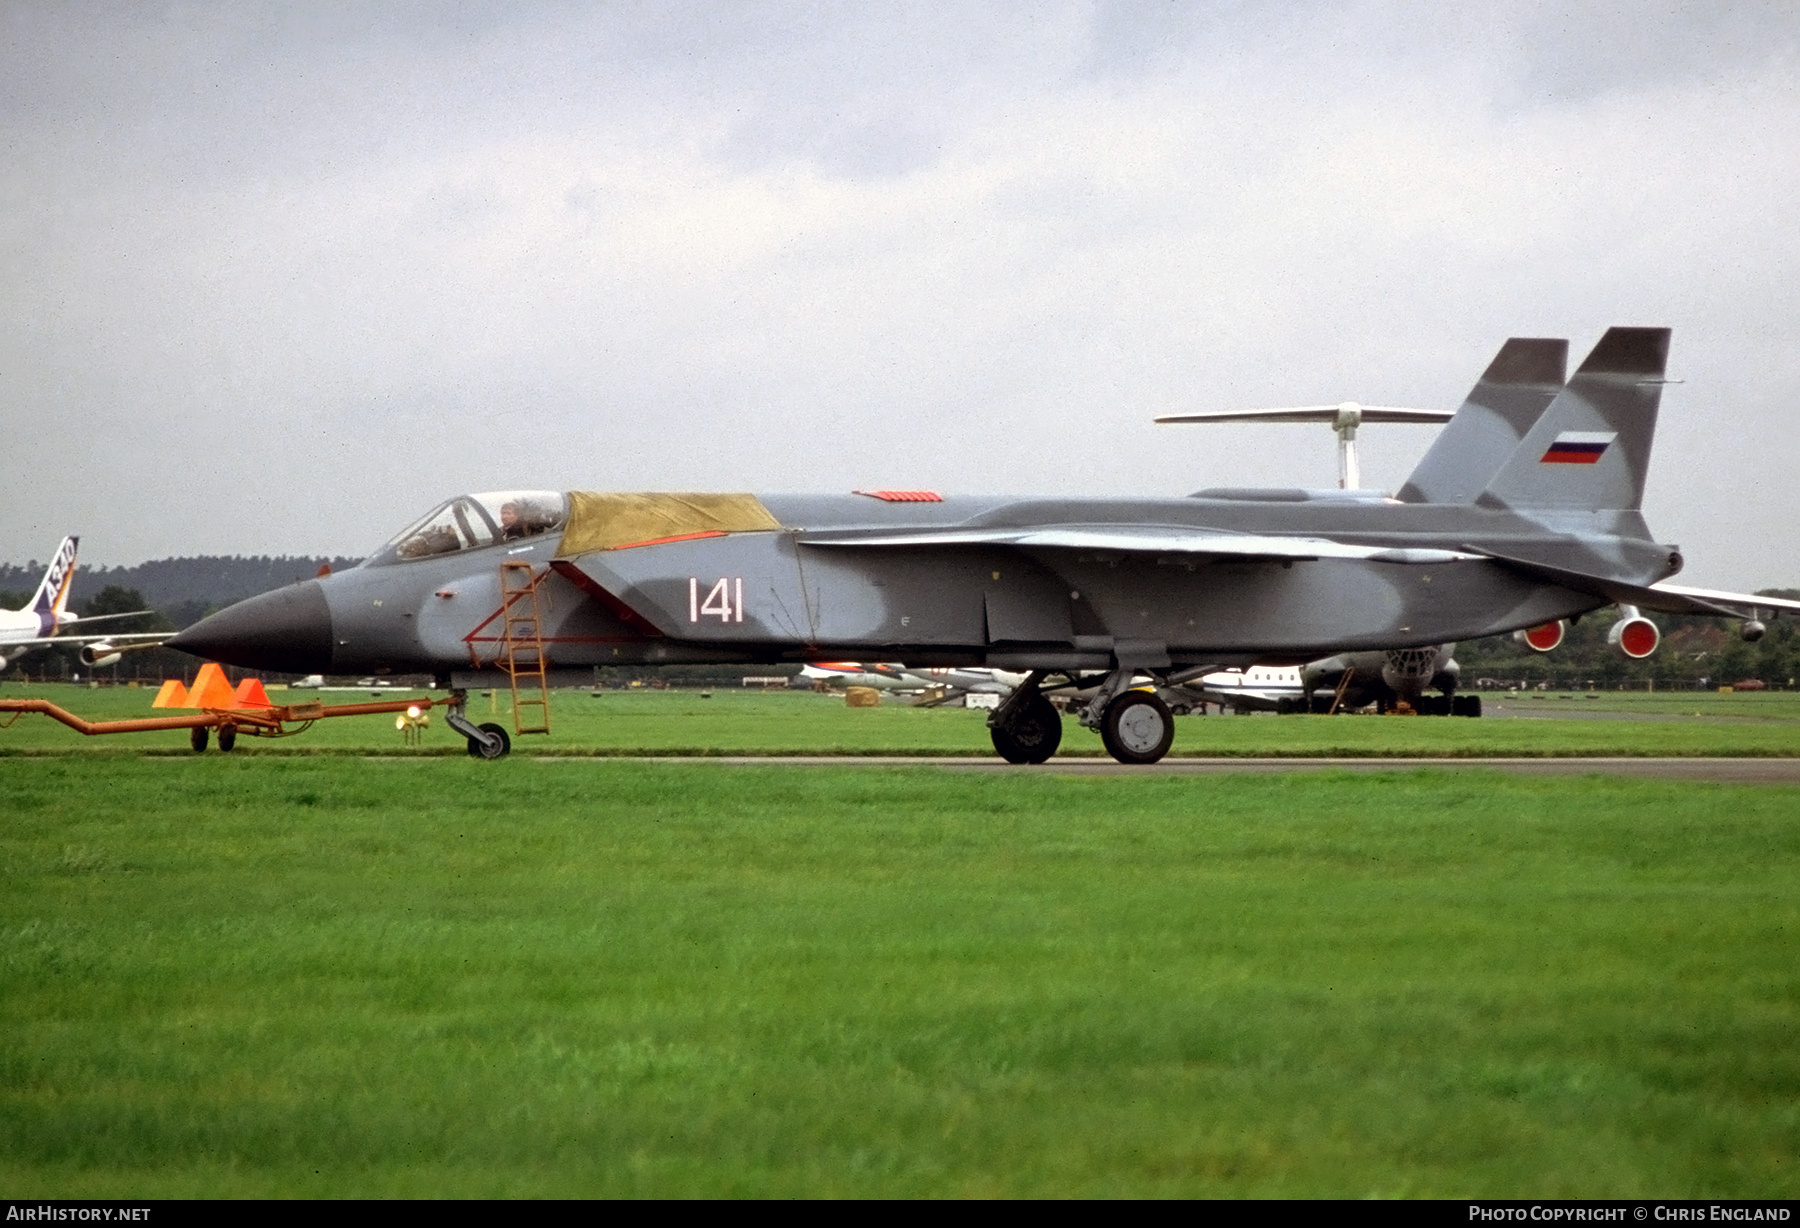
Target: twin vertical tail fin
{"points": [[1590, 449], [53, 594], [1512, 394]]}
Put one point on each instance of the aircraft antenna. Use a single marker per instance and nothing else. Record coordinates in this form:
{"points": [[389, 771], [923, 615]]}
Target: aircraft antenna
{"points": [[1344, 417]]}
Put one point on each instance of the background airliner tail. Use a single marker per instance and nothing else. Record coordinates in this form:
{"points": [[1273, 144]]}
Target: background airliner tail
{"points": [[53, 594]]}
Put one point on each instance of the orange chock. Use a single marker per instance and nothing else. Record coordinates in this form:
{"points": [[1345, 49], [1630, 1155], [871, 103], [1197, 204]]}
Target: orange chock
{"points": [[250, 694], [172, 695], [211, 689]]}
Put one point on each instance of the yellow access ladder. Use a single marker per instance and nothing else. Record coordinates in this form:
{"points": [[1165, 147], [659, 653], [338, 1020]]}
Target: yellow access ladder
{"points": [[522, 647]]}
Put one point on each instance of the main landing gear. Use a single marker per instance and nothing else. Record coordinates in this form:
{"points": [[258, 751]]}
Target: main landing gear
{"points": [[1027, 728], [1135, 726]]}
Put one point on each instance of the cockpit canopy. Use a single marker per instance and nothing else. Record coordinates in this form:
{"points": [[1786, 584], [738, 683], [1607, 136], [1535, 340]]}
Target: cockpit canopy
{"points": [[469, 522]]}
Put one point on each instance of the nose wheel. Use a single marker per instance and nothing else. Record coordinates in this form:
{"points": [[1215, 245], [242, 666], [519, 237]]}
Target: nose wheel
{"points": [[494, 746]]}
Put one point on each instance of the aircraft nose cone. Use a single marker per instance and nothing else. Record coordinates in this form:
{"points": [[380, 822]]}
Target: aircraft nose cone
{"points": [[288, 630]]}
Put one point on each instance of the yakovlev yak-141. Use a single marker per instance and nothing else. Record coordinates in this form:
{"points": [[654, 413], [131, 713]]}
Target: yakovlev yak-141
{"points": [[1524, 512]]}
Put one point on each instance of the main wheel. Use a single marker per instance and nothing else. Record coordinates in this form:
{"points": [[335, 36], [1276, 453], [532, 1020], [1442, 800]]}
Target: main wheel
{"points": [[1033, 735], [1137, 728], [502, 744], [227, 737], [197, 737]]}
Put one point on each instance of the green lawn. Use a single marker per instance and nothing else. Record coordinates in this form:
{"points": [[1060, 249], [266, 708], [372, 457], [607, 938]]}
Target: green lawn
{"points": [[350, 976], [733, 722]]}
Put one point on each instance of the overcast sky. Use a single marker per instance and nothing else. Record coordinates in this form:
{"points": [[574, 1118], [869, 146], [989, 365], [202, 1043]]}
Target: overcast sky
{"points": [[275, 279]]}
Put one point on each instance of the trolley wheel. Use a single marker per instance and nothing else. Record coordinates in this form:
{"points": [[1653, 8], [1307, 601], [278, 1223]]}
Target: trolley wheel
{"points": [[496, 751], [1033, 735], [227, 737], [197, 737], [1137, 728]]}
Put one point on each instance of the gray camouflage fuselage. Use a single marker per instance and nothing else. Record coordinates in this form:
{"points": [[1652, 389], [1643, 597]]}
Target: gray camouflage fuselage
{"points": [[959, 604]]}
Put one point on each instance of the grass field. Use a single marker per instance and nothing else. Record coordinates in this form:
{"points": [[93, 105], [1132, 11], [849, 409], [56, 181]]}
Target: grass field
{"points": [[754, 723], [344, 976]]}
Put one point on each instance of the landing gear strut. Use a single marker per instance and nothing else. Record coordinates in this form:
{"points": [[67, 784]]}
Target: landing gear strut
{"points": [[487, 741]]}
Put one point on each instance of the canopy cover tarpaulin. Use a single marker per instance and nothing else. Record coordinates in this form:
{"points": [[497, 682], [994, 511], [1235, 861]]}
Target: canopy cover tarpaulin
{"points": [[619, 521]]}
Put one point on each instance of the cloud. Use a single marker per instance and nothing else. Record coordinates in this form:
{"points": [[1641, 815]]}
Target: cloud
{"points": [[348, 265]]}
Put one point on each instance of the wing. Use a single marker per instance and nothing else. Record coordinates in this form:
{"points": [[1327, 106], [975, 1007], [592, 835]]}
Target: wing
{"points": [[1663, 597], [1743, 605], [46, 641], [1316, 413], [83, 619], [1138, 539]]}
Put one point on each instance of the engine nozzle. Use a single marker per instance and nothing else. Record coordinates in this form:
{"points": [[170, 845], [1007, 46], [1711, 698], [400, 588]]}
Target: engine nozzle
{"points": [[1545, 637], [1634, 635]]}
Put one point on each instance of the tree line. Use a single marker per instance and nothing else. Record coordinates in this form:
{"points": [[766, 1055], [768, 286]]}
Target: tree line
{"points": [[178, 592], [184, 589]]}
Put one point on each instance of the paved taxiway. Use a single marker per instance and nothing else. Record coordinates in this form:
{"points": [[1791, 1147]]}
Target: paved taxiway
{"points": [[1720, 771]]}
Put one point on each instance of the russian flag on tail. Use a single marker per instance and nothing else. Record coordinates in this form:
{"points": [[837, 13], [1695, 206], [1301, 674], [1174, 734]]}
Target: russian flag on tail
{"points": [[1578, 447]]}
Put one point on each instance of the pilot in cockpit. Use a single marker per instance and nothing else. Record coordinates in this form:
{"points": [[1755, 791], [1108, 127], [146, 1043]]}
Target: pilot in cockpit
{"points": [[470, 522], [519, 518]]}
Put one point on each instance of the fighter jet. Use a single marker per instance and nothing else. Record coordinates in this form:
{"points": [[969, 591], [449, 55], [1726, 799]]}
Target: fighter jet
{"points": [[1525, 512]]}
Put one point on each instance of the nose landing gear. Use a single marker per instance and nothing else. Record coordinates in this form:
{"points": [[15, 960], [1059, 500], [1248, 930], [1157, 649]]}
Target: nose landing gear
{"points": [[487, 741]]}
